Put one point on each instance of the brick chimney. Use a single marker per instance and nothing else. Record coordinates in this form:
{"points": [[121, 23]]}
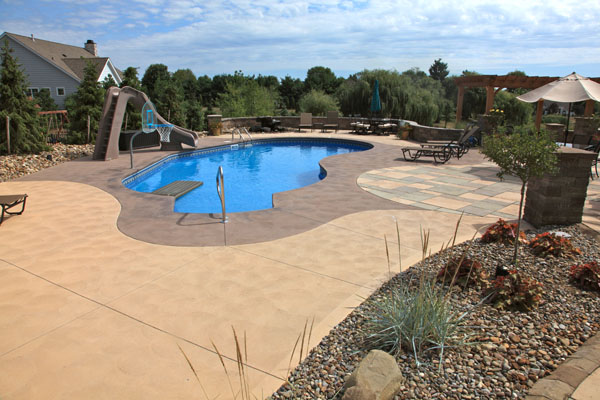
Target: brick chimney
{"points": [[91, 47]]}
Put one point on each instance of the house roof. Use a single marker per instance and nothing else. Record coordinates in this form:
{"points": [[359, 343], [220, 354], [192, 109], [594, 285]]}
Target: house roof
{"points": [[77, 65], [70, 59]]}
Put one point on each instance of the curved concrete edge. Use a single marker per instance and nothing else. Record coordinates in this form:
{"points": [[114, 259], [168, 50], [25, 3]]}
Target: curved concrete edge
{"points": [[578, 377], [571, 375]]}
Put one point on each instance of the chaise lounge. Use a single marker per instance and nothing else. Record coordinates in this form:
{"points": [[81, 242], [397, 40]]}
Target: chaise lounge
{"points": [[9, 201]]}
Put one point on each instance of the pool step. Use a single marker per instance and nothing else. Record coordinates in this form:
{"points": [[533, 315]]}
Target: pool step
{"points": [[178, 188]]}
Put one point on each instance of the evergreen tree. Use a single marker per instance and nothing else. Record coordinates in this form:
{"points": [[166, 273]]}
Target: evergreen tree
{"points": [[45, 101], [25, 131], [438, 70], [88, 100], [109, 82], [130, 78]]}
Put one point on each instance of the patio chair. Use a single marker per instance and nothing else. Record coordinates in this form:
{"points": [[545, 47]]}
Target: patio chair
{"points": [[457, 147], [9, 201], [332, 121], [305, 121], [596, 149]]}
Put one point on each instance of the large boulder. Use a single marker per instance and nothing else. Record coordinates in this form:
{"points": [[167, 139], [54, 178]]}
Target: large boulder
{"points": [[376, 378]]}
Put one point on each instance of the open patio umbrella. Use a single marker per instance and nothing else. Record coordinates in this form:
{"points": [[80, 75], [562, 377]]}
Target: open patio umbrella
{"points": [[569, 89], [375, 100]]}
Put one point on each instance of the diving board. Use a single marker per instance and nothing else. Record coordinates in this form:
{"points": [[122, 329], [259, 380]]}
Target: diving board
{"points": [[177, 188]]}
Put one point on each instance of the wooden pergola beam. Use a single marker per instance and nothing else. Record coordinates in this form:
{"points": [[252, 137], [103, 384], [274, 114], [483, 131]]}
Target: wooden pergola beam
{"points": [[490, 82]]}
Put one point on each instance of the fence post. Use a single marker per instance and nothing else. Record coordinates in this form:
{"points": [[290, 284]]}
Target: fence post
{"points": [[88, 126], [8, 134]]}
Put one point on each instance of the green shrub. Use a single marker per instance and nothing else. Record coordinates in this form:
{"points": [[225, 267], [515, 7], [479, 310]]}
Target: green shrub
{"points": [[586, 276], [516, 112], [463, 271], [547, 243], [514, 292], [418, 319], [317, 103], [554, 119], [502, 232]]}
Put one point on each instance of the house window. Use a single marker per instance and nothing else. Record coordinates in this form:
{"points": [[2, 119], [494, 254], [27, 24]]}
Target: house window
{"points": [[32, 91], [60, 91]]}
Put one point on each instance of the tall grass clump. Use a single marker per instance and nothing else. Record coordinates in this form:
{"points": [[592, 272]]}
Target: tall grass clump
{"points": [[416, 317]]}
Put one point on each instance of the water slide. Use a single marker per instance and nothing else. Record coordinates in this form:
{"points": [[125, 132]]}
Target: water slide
{"points": [[107, 140]]}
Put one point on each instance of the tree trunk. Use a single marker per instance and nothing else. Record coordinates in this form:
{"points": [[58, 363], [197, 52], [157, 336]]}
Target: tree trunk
{"points": [[515, 259]]}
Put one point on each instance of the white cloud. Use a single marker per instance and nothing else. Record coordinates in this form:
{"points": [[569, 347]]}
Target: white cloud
{"points": [[259, 36]]}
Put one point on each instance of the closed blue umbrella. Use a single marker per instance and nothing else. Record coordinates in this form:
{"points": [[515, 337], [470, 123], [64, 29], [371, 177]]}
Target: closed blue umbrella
{"points": [[375, 100]]}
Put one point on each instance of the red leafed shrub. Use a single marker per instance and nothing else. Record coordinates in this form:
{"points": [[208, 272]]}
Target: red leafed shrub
{"points": [[514, 292], [463, 271], [502, 232], [548, 243], [586, 276]]}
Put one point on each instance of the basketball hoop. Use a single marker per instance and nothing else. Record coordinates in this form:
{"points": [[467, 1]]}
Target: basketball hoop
{"points": [[164, 130]]}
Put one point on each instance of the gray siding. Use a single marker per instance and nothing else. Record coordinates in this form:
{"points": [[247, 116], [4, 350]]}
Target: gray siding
{"points": [[42, 74]]}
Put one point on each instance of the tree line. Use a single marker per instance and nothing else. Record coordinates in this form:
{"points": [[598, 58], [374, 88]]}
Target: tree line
{"points": [[185, 99]]}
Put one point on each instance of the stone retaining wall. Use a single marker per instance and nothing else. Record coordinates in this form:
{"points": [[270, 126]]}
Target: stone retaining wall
{"points": [[289, 122], [559, 199], [422, 133]]}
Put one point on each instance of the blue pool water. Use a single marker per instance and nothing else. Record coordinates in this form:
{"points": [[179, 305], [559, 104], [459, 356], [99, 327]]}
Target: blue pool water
{"points": [[252, 172]]}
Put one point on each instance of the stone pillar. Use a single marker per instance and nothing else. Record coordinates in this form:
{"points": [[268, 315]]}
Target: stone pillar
{"points": [[557, 131], [215, 125], [559, 199]]}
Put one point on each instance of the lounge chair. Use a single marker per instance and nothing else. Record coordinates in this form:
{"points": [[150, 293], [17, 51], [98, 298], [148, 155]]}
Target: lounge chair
{"points": [[9, 201], [359, 126], [439, 154], [457, 147], [305, 121], [332, 121]]}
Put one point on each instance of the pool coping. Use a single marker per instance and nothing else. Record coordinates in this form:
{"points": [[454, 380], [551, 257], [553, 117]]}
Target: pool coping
{"points": [[150, 218]]}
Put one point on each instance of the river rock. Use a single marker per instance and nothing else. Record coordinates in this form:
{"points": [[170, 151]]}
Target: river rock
{"points": [[376, 378]]}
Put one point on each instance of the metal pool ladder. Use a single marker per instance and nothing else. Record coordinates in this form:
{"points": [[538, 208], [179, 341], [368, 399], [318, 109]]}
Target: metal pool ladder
{"points": [[221, 192], [241, 135]]}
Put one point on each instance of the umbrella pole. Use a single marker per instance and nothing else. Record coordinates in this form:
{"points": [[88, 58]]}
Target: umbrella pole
{"points": [[567, 128]]}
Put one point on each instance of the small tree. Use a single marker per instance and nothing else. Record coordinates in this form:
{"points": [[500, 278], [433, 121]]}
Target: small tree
{"points": [[25, 132], [87, 101], [317, 103], [524, 154], [247, 98]]}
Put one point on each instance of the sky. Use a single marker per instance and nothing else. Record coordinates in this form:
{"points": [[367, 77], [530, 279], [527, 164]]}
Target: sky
{"points": [[288, 37]]}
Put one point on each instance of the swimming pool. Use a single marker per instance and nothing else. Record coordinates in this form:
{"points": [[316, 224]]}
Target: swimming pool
{"points": [[253, 172]]}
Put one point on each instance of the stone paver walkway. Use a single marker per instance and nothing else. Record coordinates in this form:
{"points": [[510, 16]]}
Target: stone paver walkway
{"points": [[470, 189]]}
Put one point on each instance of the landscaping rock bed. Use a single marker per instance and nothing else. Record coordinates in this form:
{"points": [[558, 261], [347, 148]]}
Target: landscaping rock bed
{"points": [[511, 351], [14, 166]]}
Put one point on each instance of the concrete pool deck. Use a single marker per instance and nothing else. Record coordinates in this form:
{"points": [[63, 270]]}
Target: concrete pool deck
{"points": [[93, 309]]}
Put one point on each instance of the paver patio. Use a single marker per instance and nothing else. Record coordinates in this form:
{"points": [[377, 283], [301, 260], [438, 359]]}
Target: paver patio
{"points": [[91, 312]]}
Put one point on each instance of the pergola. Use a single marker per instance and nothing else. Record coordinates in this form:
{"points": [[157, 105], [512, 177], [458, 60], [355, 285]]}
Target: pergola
{"points": [[494, 83]]}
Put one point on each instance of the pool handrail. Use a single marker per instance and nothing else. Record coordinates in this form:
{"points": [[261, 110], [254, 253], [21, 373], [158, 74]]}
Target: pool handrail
{"points": [[221, 192]]}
